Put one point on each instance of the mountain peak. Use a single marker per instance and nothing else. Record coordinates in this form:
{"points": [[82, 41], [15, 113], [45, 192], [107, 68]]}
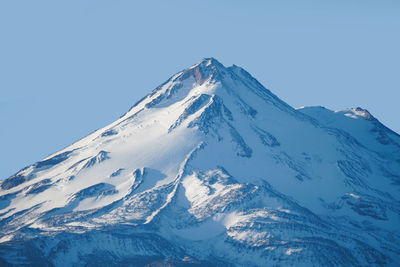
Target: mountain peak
{"points": [[205, 69], [210, 61], [210, 77], [364, 113], [211, 166]]}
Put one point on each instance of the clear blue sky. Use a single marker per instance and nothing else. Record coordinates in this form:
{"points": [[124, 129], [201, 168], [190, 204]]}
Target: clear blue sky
{"points": [[70, 67]]}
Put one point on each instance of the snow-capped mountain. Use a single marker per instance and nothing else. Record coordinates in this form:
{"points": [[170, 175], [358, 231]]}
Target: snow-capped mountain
{"points": [[211, 168]]}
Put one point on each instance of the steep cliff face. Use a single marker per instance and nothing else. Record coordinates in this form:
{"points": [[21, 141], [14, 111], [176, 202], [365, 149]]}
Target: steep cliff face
{"points": [[211, 168]]}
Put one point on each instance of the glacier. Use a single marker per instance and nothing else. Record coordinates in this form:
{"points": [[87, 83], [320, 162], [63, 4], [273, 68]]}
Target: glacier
{"points": [[211, 169]]}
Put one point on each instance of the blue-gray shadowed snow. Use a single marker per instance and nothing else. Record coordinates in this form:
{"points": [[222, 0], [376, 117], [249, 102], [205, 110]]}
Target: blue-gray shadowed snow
{"points": [[211, 168]]}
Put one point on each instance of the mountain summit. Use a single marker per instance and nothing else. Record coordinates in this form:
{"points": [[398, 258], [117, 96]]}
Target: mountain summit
{"points": [[211, 168]]}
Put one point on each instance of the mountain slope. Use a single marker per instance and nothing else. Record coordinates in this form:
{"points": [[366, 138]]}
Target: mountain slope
{"points": [[211, 168]]}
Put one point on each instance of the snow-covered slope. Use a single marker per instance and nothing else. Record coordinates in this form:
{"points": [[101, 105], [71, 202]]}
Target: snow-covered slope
{"points": [[211, 168]]}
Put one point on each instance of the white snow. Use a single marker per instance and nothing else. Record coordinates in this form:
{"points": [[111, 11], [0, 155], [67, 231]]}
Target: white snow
{"points": [[243, 168]]}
